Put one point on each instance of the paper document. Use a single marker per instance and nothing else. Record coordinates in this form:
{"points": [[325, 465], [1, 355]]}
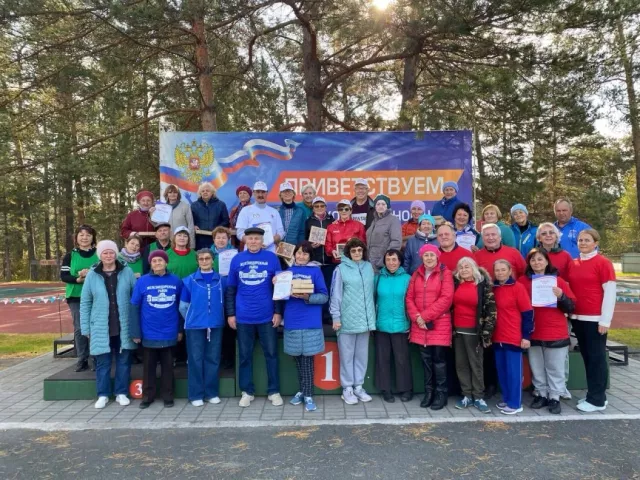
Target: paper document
{"points": [[282, 287]]}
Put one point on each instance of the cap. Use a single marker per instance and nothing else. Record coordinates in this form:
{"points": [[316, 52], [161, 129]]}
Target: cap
{"points": [[318, 200], [362, 181], [344, 201], [260, 186], [155, 229], [284, 186], [253, 231], [181, 228]]}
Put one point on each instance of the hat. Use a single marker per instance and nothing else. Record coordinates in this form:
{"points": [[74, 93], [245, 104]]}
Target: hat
{"points": [[144, 193], [318, 200], [429, 248], [106, 245], [307, 187], [259, 185], [158, 253], [362, 181], [344, 201], [284, 186], [253, 231], [384, 198], [418, 203], [427, 217], [453, 185], [243, 188], [519, 206], [155, 229], [181, 229]]}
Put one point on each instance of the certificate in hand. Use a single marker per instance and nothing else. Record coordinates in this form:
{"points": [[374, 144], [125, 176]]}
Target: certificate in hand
{"points": [[282, 287], [318, 235], [466, 240], [224, 261], [268, 233], [542, 291], [162, 213]]}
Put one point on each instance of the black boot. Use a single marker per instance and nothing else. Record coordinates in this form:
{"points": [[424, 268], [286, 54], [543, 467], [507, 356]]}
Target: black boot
{"points": [[406, 396], [440, 401], [427, 400], [388, 397], [82, 365]]}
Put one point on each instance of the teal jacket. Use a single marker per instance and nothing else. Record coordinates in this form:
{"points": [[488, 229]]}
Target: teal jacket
{"points": [[295, 233], [526, 240], [94, 309], [391, 290], [352, 297]]}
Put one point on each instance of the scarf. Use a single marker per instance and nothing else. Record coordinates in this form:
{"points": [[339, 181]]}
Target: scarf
{"points": [[234, 215], [174, 205], [588, 256], [129, 257]]}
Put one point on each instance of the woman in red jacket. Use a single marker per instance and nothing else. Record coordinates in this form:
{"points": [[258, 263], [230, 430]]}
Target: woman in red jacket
{"points": [[429, 298], [550, 339], [138, 221], [594, 281], [548, 237], [342, 230], [511, 335]]}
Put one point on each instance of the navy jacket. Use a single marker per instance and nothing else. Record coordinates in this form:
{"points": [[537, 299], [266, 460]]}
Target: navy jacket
{"points": [[207, 216]]}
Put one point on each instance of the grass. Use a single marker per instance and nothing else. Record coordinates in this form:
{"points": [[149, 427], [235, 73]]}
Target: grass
{"points": [[629, 336], [627, 274], [16, 345]]}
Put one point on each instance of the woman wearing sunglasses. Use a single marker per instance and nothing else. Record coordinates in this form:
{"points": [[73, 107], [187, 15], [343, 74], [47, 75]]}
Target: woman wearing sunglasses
{"points": [[343, 229]]}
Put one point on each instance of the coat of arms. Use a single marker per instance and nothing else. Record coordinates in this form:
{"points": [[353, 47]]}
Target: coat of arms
{"points": [[195, 161]]}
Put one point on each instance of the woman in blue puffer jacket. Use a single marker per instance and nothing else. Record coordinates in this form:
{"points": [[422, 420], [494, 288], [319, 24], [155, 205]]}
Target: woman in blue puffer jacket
{"points": [[392, 325], [423, 236], [523, 230], [201, 306]]}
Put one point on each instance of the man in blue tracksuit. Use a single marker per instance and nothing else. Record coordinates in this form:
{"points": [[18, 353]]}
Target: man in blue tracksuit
{"points": [[569, 226]]}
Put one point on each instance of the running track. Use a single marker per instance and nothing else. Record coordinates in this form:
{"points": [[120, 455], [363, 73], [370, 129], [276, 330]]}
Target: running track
{"points": [[55, 317]]}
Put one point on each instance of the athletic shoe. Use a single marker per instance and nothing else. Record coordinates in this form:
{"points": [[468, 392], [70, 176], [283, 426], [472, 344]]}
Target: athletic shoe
{"points": [[501, 405], [566, 395], [309, 404], [539, 402], [511, 411], [463, 403], [197, 403], [588, 407], [582, 400], [554, 407], [276, 400], [122, 400], [348, 396], [102, 402], [482, 406], [297, 399], [246, 400], [214, 400], [362, 395]]}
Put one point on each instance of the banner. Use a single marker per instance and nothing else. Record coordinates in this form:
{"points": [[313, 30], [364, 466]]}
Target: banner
{"points": [[406, 166]]}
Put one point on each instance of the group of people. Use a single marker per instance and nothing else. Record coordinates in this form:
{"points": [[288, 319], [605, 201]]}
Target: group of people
{"points": [[463, 297]]}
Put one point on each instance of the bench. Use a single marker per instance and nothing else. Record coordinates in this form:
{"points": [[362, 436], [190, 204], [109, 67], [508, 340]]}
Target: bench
{"points": [[63, 346], [618, 353]]}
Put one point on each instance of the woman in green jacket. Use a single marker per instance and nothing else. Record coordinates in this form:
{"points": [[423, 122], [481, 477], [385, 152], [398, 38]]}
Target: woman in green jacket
{"points": [[392, 326]]}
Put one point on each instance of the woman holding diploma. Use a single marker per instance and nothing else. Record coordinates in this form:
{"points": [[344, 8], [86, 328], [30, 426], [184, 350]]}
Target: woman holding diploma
{"points": [[303, 334], [514, 325], [594, 280], [138, 221], [550, 339], [548, 237], [466, 236], [354, 317]]}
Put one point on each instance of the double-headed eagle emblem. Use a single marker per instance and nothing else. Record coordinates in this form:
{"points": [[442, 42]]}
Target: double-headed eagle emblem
{"points": [[195, 161]]}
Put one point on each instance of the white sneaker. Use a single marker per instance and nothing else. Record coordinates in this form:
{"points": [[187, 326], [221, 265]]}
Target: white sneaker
{"points": [[214, 400], [276, 399], [102, 402], [587, 407], [246, 400], [362, 394], [122, 400], [197, 403], [582, 400], [348, 396]]}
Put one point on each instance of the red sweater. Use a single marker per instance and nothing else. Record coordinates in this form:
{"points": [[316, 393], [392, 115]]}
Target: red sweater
{"points": [[465, 304], [594, 282], [551, 324], [562, 261], [410, 228], [514, 314], [451, 259], [485, 259], [138, 221], [340, 232]]}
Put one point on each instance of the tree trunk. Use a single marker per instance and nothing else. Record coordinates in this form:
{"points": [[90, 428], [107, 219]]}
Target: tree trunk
{"points": [[311, 72], [6, 264], [480, 159], [634, 114], [47, 214], [409, 92], [27, 218], [205, 80]]}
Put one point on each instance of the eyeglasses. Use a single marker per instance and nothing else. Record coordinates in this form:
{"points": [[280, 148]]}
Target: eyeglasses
{"points": [[320, 205], [550, 232], [344, 209], [356, 250]]}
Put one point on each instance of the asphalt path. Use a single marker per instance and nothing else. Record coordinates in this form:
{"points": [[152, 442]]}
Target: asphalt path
{"points": [[595, 449]]}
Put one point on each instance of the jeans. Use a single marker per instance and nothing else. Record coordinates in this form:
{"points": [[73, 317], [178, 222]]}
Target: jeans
{"points": [[204, 363], [267, 335], [123, 370], [80, 341]]}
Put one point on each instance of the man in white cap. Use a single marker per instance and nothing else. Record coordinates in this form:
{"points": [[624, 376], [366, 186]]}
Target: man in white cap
{"points": [[262, 216], [362, 204], [293, 217]]}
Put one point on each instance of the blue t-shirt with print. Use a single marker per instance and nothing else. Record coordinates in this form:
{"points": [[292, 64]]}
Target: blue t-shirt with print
{"points": [[158, 298], [252, 274]]}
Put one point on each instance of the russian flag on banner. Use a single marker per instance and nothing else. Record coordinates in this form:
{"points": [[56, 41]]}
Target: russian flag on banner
{"points": [[194, 163]]}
